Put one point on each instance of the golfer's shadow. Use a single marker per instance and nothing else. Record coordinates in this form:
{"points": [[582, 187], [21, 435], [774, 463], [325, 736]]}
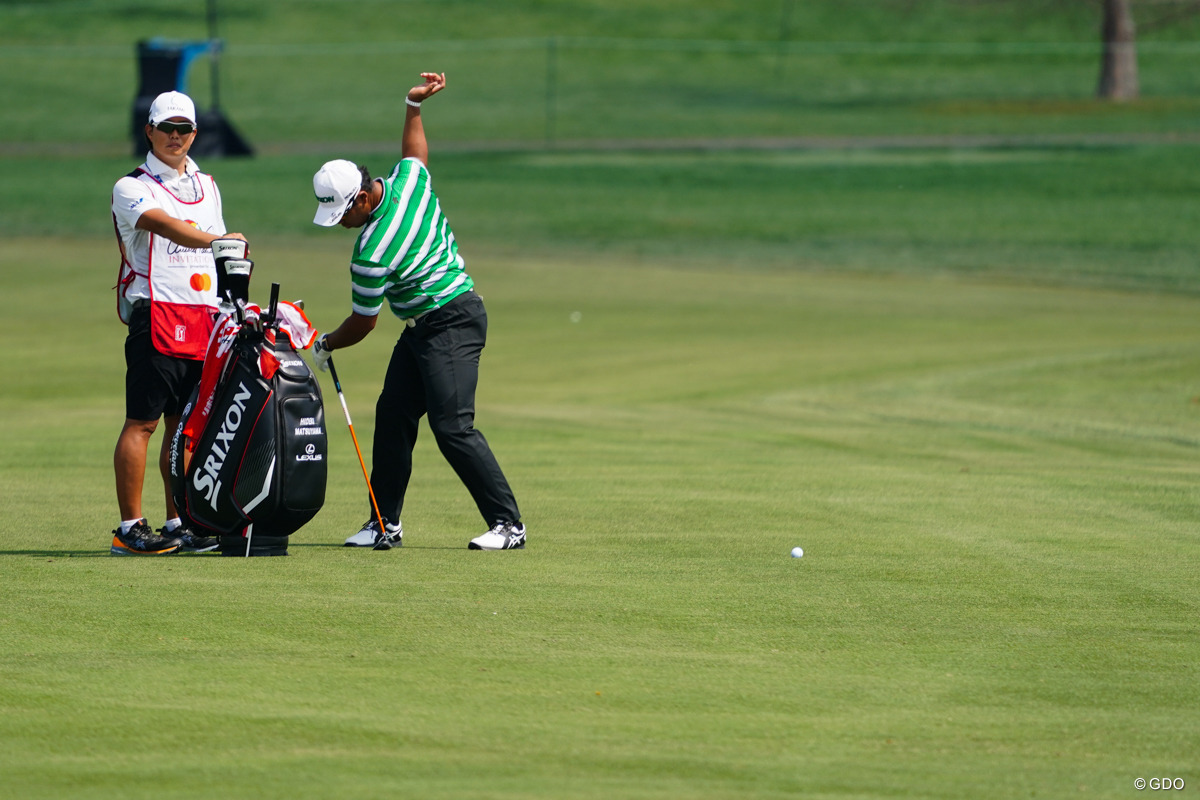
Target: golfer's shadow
{"points": [[56, 553], [52, 554], [344, 547]]}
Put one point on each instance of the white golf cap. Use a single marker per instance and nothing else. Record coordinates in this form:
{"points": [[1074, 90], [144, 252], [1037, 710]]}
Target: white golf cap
{"points": [[172, 104], [336, 184]]}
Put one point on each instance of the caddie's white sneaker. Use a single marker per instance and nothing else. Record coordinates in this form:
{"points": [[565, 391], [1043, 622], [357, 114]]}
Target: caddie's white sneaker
{"points": [[502, 536], [371, 536]]}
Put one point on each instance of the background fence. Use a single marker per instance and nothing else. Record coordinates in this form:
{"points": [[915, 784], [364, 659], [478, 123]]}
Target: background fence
{"points": [[565, 91]]}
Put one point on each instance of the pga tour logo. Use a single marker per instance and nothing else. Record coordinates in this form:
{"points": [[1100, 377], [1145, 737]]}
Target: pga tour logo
{"points": [[310, 454], [181, 333]]}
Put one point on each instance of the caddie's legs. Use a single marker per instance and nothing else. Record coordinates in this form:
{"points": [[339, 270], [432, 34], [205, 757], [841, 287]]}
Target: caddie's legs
{"points": [[129, 464], [399, 409], [157, 386], [449, 360]]}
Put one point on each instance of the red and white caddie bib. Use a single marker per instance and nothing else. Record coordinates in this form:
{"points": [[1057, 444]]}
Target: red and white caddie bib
{"points": [[183, 281]]}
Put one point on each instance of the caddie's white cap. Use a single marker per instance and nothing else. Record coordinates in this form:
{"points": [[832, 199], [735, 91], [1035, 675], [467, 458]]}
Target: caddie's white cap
{"points": [[336, 184], [172, 104]]}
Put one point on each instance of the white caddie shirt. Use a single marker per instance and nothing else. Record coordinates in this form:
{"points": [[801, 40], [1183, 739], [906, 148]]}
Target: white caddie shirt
{"points": [[132, 198]]}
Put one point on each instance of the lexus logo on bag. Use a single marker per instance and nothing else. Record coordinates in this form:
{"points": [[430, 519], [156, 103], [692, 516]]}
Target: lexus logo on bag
{"points": [[310, 454]]}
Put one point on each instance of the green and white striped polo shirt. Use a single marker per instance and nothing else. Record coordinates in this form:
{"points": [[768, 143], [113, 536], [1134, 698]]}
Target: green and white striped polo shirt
{"points": [[407, 254]]}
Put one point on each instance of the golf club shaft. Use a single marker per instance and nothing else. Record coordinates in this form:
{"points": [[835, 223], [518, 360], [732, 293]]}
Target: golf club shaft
{"points": [[337, 384]]}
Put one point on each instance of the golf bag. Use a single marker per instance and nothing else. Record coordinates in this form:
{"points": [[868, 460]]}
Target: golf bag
{"points": [[248, 461]]}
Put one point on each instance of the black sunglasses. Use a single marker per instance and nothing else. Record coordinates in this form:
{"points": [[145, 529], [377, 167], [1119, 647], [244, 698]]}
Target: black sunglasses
{"points": [[182, 128]]}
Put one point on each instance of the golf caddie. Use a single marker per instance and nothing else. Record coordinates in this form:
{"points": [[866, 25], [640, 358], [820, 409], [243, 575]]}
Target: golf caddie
{"points": [[166, 213], [407, 258]]}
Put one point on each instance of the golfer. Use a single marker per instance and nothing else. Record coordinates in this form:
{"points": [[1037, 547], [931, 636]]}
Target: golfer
{"points": [[407, 257], [166, 214]]}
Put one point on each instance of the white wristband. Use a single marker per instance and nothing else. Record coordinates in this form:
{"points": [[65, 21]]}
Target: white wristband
{"points": [[411, 103]]}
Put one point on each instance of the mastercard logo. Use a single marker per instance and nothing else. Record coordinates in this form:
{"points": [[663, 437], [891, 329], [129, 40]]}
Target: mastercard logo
{"points": [[201, 282], [193, 223]]}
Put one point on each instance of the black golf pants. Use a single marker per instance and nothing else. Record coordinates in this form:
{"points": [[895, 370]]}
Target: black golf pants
{"points": [[433, 372]]}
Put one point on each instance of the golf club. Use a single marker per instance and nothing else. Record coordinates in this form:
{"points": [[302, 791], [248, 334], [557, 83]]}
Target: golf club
{"points": [[383, 543]]}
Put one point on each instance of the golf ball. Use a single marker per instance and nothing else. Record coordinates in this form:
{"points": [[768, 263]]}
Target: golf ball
{"points": [[797, 552]]}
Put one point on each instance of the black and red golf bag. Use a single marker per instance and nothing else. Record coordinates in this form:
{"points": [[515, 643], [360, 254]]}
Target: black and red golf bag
{"points": [[248, 461]]}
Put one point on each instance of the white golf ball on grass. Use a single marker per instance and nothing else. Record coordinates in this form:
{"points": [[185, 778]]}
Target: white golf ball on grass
{"points": [[797, 552]]}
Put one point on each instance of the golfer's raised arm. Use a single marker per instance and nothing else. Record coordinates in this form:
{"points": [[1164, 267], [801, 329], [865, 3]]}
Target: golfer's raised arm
{"points": [[413, 144]]}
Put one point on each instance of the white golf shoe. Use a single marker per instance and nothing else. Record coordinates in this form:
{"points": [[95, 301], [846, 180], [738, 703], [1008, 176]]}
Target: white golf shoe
{"points": [[502, 536], [371, 536]]}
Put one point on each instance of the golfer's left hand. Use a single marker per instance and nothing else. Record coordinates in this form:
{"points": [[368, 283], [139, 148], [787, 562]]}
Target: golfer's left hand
{"points": [[434, 83], [321, 354]]}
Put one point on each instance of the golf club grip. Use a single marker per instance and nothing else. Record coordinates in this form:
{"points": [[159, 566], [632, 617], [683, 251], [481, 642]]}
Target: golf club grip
{"points": [[333, 371], [274, 307]]}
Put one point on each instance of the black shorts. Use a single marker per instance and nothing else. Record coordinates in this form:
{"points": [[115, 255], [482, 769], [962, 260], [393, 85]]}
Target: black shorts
{"points": [[155, 385]]}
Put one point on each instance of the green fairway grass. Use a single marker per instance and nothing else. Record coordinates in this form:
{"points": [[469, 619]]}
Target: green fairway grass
{"points": [[1116, 216], [881, 280], [995, 488]]}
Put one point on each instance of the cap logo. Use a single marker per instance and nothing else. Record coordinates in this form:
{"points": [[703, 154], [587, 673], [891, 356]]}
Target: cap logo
{"points": [[324, 199]]}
